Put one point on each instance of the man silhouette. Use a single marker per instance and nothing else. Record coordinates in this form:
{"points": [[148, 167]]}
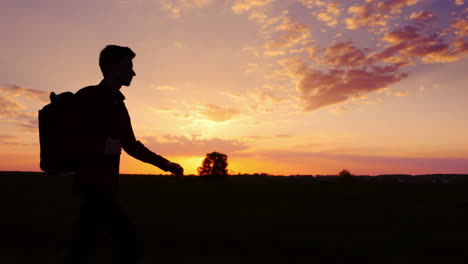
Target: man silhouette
{"points": [[99, 125]]}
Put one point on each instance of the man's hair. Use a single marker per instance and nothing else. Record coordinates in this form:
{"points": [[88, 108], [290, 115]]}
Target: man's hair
{"points": [[112, 54]]}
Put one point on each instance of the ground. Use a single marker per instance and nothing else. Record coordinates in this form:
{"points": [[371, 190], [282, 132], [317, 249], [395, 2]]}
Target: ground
{"points": [[245, 220]]}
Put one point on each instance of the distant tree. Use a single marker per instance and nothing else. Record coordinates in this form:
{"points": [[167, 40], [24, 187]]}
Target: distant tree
{"points": [[345, 173], [346, 176], [214, 167]]}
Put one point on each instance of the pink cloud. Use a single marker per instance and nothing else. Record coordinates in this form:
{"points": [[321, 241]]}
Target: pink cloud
{"points": [[406, 34], [461, 27], [29, 93], [374, 13], [241, 6], [344, 54], [365, 16], [291, 34], [175, 7], [287, 24], [10, 108], [342, 70], [320, 89], [422, 16], [461, 46], [395, 6], [354, 71], [31, 125], [415, 43], [184, 146], [327, 12]]}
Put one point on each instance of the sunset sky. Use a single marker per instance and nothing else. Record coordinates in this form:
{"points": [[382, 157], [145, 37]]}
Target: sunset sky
{"points": [[280, 86]]}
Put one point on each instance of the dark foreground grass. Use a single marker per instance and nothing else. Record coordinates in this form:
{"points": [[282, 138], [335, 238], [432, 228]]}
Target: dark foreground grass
{"points": [[245, 220]]}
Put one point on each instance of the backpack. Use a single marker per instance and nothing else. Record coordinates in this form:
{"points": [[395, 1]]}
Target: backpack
{"points": [[56, 157]]}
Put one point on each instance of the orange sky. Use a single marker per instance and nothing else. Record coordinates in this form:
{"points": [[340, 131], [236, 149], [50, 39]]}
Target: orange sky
{"points": [[281, 87]]}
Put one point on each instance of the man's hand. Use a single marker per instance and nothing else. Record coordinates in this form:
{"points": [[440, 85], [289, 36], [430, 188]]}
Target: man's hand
{"points": [[112, 147], [175, 168]]}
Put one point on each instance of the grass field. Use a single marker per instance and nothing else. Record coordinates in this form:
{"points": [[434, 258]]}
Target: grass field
{"points": [[245, 220]]}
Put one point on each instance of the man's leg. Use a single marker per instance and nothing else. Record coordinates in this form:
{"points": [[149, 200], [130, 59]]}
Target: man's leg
{"points": [[100, 206], [124, 234], [90, 222]]}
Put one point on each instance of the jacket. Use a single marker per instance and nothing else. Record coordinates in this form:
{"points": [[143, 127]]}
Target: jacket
{"points": [[96, 113]]}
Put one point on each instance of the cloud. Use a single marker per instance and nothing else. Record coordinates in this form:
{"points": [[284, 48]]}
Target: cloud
{"points": [[339, 110], [28, 93], [365, 16], [395, 6], [217, 113], [422, 16], [342, 70], [210, 112], [461, 46], [194, 146], [277, 136], [164, 88], [241, 6], [287, 24], [344, 54], [10, 107], [461, 27], [319, 89], [251, 67], [6, 139], [312, 3], [290, 35], [163, 109], [31, 125], [330, 15], [374, 13], [264, 100], [325, 12], [401, 94], [324, 17], [350, 73], [14, 111], [417, 44], [12, 140], [174, 8], [290, 38], [408, 33]]}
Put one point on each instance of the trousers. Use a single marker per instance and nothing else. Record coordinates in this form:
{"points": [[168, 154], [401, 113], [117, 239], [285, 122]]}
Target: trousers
{"points": [[101, 208]]}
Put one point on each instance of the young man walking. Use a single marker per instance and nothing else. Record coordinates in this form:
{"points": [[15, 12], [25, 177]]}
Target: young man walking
{"points": [[100, 127]]}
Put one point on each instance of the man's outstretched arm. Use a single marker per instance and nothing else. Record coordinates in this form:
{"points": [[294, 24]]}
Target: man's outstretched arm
{"points": [[140, 152], [137, 150]]}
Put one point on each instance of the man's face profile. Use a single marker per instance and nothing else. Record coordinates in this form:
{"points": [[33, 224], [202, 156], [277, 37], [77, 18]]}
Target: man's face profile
{"points": [[123, 71]]}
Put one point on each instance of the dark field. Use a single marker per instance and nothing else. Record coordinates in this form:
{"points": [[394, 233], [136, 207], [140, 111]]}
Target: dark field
{"points": [[245, 220]]}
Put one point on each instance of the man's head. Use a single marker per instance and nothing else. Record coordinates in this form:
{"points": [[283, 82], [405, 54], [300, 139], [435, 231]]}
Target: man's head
{"points": [[116, 64]]}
